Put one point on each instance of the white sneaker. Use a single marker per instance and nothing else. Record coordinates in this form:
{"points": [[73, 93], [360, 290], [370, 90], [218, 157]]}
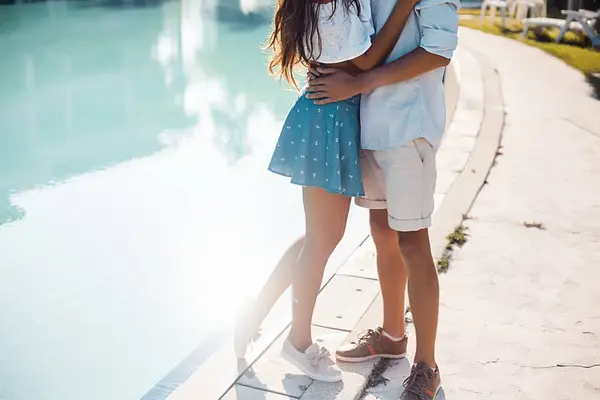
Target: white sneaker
{"points": [[315, 362]]}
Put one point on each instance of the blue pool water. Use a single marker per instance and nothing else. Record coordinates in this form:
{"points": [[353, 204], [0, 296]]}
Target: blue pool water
{"points": [[135, 206]]}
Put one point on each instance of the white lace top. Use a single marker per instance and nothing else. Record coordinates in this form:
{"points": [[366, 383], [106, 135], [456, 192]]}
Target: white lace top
{"points": [[344, 35]]}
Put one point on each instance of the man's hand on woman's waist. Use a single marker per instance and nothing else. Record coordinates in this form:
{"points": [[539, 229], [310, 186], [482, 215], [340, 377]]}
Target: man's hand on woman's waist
{"points": [[329, 85]]}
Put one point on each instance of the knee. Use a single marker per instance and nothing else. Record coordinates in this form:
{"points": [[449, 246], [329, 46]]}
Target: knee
{"points": [[324, 242], [415, 245], [383, 236]]}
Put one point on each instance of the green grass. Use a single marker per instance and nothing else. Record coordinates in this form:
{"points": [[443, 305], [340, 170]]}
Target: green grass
{"points": [[575, 51], [473, 11], [552, 12]]}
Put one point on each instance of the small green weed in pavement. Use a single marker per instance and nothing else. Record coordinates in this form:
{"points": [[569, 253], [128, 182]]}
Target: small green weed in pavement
{"points": [[458, 237], [575, 50], [444, 263]]}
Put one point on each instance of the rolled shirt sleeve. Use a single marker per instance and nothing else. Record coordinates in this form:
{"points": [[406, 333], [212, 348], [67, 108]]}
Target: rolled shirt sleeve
{"points": [[438, 20]]}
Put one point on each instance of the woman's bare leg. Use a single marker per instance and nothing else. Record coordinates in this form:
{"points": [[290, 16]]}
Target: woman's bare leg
{"points": [[326, 216]]}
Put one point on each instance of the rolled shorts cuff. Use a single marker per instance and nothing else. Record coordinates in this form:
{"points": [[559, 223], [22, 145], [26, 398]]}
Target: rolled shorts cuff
{"points": [[370, 203], [409, 225]]}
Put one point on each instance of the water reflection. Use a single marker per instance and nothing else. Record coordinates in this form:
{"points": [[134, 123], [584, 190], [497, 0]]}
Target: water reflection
{"points": [[132, 142], [83, 90], [74, 101]]}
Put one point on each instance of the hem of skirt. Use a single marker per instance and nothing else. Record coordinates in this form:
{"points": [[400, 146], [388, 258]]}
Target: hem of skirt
{"points": [[332, 191]]}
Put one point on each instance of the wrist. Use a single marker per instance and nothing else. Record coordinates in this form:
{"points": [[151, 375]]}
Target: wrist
{"points": [[361, 83]]}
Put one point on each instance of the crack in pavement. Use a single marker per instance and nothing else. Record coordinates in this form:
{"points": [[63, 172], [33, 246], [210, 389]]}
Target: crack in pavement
{"points": [[558, 365], [583, 128]]}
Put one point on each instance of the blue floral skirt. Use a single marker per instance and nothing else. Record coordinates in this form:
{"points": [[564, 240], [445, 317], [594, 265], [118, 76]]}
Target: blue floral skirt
{"points": [[319, 146]]}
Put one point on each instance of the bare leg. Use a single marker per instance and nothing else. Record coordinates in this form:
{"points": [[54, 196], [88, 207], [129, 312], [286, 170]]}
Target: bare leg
{"points": [[391, 271], [423, 291], [326, 216]]}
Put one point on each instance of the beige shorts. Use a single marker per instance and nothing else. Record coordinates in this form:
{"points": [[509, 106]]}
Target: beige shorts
{"points": [[401, 180]]}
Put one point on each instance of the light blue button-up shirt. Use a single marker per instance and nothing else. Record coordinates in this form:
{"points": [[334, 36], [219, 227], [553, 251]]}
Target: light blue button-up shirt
{"points": [[393, 115]]}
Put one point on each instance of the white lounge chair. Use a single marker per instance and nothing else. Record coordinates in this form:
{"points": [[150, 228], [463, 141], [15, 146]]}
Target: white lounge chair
{"points": [[494, 6], [512, 9], [581, 21], [536, 8]]}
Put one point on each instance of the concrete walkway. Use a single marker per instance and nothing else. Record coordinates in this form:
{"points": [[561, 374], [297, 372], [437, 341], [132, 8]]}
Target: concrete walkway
{"points": [[519, 315], [521, 306]]}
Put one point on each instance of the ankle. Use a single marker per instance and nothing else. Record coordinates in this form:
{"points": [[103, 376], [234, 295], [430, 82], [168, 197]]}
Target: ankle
{"points": [[394, 335], [429, 362], [300, 343]]}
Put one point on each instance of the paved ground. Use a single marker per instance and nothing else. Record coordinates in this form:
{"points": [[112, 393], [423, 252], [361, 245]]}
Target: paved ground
{"points": [[519, 315]]}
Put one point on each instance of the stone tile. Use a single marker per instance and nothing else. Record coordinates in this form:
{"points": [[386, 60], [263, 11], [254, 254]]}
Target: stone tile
{"points": [[362, 262], [445, 179], [462, 128], [459, 143], [206, 383], [465, 116], [451, 159], [271, 372], [241, 392], [354, 374], [471, 85], [343, 301], [438, 198], [212, 385]]}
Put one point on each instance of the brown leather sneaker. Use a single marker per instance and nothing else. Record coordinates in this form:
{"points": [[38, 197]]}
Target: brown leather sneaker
{"points": [[423, 383], [372, 344]]}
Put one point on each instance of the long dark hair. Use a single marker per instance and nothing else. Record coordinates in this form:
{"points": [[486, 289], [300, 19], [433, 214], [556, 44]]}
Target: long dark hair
{"points": [[294, 26]]}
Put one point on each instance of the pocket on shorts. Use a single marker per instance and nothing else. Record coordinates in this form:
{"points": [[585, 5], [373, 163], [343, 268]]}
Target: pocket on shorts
{"points": [[423, 148]]}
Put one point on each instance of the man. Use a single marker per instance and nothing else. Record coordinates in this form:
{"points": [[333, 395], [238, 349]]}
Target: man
{"points": [[402, 122]]}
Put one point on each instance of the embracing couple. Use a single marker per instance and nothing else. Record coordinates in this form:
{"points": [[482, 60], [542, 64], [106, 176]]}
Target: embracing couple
{"points": [[367, 126]]}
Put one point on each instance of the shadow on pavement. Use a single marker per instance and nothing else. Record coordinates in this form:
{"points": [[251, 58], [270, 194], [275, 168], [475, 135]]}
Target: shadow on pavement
{"points": [[594, 81]]}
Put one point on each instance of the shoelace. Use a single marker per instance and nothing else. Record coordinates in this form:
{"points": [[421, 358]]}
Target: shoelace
{"points": [[315, 357], [417, 382], [366, 335]]}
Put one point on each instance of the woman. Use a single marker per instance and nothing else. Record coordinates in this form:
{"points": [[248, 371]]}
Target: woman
{"points": [[318, 149]]}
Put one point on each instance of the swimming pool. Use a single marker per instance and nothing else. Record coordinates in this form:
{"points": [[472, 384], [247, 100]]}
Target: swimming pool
{"points": [[135, 207]]}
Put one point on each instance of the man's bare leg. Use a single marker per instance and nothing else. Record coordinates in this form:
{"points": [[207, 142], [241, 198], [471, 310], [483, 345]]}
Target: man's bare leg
{"points": [[423, 292], [391, 271], [390, 341]]}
